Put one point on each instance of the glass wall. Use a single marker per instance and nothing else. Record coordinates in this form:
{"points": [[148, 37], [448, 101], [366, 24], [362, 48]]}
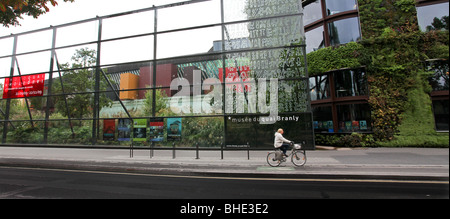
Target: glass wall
{"points": [[170, 74]]}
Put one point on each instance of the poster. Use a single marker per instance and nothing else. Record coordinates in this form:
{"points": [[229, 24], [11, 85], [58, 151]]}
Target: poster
{"points": [[363, 124], [109, 129], [24, 86], [124, 130], [174, 129], [156, 130], [140, 130]]}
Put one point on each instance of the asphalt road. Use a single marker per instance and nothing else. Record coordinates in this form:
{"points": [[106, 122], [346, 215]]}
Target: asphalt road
{"points": [[33, 183]]}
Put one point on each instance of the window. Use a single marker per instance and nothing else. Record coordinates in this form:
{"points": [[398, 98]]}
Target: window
{"points": [[323, 119], [320, 87], [354, 118], [433, 17], [349, 83], [331, 22], [315, 39], [440, 79], [339, 101], [440, 94], [344, 31], [338, 6], [312, 12], [440, 108]]}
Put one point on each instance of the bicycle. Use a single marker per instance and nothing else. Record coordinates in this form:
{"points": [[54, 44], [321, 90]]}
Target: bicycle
{"points": [[298, 156]]}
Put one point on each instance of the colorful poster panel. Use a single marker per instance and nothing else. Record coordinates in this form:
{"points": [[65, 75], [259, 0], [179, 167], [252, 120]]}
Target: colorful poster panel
{"points": [[156, 130], [174, 129], [140, 130], [109, 129], [124, 130]]}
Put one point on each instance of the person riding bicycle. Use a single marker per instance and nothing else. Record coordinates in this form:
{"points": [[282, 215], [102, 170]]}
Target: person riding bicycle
{"points": [[281, 142]]}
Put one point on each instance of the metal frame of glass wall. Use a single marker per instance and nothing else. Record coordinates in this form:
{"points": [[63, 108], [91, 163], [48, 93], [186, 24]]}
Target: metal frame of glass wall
{"points": [[108, 43]]}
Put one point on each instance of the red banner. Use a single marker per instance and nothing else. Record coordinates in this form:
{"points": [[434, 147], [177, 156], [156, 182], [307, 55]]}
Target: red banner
{"points": [[24, 86], [233, 76]]}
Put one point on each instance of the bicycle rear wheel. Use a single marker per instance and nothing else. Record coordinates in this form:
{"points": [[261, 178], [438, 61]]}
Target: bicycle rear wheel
{"points": [[272, 161], [299, 158]]}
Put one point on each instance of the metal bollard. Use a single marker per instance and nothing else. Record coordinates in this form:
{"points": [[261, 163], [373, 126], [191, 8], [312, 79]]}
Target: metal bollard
{"points": [[221, 151], [248, 150], [197, 152], [173, 151]]}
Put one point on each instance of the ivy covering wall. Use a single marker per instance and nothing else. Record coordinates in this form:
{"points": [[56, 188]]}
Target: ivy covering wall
{"points": [[393, 50]]}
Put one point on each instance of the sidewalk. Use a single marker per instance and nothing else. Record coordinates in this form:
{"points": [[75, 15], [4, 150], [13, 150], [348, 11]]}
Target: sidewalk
{"points": [[367, 163]]}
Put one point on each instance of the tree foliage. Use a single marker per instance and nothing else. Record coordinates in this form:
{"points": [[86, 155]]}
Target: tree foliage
{"points": [[12, 10], [78, 80]]}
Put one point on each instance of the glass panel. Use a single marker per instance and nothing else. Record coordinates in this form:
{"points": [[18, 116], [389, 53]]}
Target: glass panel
{"points": [[34, 41], [74, 81], [26, 134], [74, 57], [267, 33], [33, 63], [127, 50], [207, 132], [312, 12], [354, 118], [79, 106], [344, 31], [323, 119], [189, 42], [350, 83], [441, 111], [315, 39], [6, 46], [126, 77], [319, 87], [293, 96], [75, 34], [131, 24], [235, 10], [60, 131], [432, 17], [338, 6], [5, 68], [190, 15]]}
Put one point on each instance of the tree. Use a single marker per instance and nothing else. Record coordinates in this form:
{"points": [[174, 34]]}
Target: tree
{"points": [[439, 24], [78, 78], [12, 10]]}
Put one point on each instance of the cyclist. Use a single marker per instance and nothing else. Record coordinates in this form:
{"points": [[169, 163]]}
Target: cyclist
{"points": [[281, 142]]}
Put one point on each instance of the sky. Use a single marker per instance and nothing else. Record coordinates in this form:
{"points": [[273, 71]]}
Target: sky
{"points": [[136, 49]]}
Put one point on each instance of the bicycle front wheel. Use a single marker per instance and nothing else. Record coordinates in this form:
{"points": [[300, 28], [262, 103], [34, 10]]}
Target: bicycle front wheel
{"points": [[298, 158], [271, 159]]}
